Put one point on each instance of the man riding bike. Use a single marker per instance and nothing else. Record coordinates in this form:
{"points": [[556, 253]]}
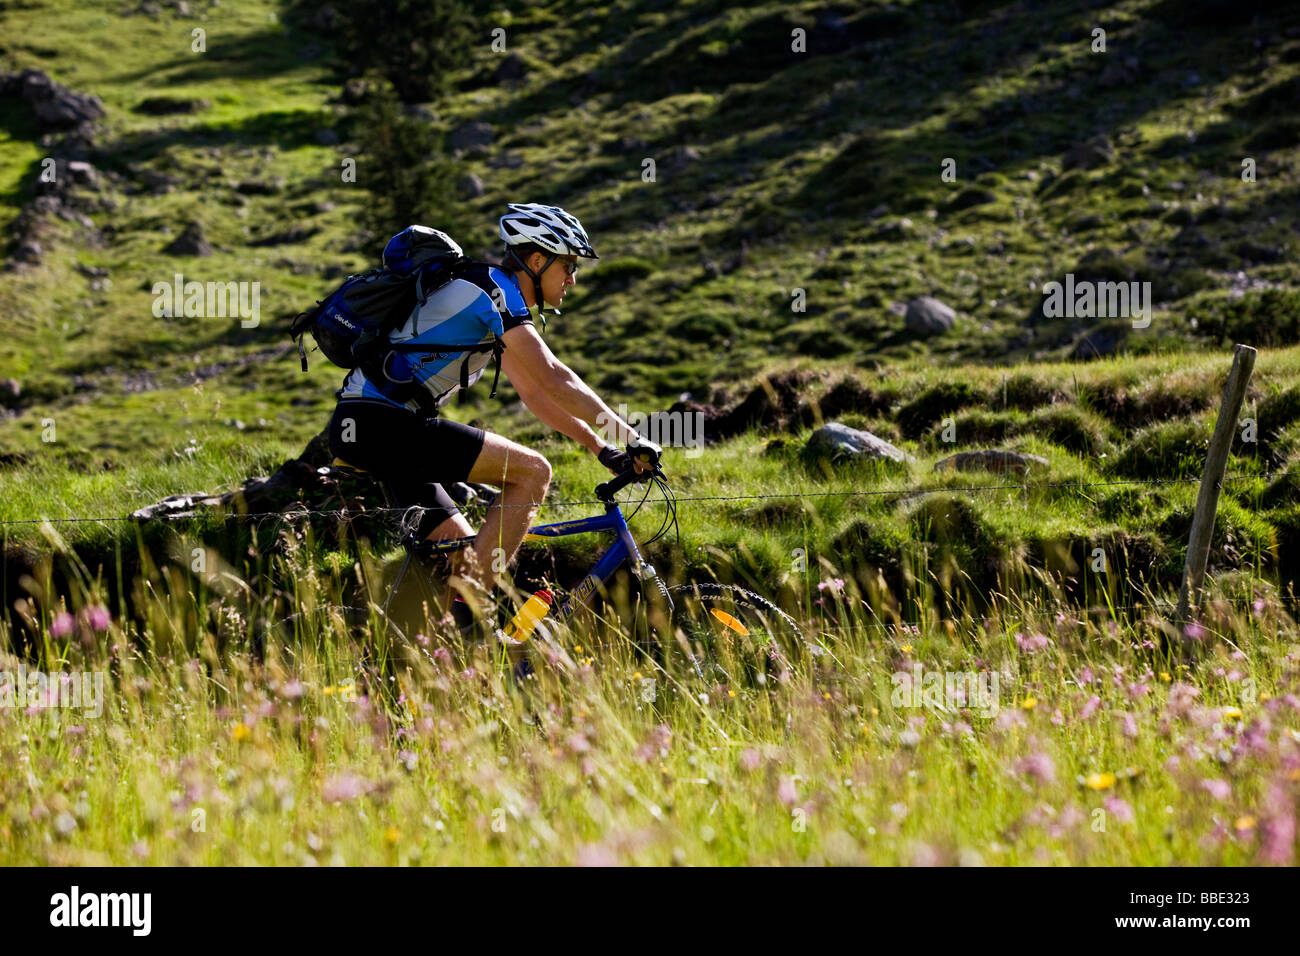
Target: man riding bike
{"points": [[415, 452]]}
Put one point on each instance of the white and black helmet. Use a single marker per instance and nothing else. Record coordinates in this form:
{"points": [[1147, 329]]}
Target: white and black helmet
{"points": [[547, 227]]}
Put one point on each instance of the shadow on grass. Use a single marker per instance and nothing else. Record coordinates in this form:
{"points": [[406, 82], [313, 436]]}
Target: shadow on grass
{"points": [[876, 75], [287, 129], [242, 56]]}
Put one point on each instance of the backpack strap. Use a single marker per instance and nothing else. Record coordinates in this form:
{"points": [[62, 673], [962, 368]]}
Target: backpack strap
{"points": [[497, 346], [298, 330]]}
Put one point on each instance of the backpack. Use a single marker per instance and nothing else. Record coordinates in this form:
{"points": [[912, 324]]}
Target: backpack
{"points": [[351, 325]]}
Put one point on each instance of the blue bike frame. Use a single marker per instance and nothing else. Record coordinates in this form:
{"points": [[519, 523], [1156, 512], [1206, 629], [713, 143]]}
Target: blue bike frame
{"points": [[623, 549]]}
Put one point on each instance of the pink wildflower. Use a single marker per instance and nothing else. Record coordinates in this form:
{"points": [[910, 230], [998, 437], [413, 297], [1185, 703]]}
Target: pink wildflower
{"points": [[1118, 808], [1219, 789]]}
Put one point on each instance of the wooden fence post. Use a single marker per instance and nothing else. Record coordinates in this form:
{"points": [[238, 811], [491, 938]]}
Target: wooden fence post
{"points": [[1216, 460]]}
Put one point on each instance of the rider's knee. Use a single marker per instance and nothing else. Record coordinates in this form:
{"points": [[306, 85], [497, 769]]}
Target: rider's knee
{"points": [[531, 470], [543, 471]]}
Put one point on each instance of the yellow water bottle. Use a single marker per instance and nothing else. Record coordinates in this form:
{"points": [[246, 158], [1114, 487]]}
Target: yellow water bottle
{"points": [[525, 621]]}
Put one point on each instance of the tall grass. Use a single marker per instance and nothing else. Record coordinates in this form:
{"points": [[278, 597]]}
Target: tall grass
{"points": [[224, 740]]}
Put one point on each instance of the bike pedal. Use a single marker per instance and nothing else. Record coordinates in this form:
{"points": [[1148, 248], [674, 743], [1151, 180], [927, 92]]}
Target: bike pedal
{"points": [[506, 639]]}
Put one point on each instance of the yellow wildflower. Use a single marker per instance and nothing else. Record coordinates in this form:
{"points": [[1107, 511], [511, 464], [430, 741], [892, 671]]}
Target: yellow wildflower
{"points": [[1231, 713], [1029, 703], [392, 835], [240, 732], [1244, 823], [1099, 781]]}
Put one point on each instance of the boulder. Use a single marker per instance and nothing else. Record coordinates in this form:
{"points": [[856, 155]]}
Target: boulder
{"points": [[467, 135], [928, 316], [28, 251], [169, 105], [189, 243], [971, 196], [152, 180], [892, 230], [470, 186], [424, 112], [626, 144], [1099, 342], [354, 92], [839, 442], [681, 157], [259, 187], [513, 69], [56, 106], [1089, 154], [991, 459], [83, 174], [1119, 72]]}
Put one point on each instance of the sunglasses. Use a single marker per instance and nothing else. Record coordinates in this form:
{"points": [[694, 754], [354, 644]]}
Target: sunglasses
{"points": [[570, 268]]}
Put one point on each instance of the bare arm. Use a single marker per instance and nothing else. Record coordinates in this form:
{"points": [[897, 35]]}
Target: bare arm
{"points": [[541, 405], [549, 387]]}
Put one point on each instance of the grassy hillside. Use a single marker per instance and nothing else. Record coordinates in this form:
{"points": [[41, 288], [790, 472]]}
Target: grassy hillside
{"points": [[780, 178], [774, 171]]}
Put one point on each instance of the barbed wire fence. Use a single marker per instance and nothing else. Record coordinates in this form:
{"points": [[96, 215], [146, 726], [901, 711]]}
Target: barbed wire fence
{"points": [[210, 512]]}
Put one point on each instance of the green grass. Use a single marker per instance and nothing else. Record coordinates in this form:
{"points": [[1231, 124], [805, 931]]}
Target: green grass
{"points": [[817, 172], [1096, 746]]}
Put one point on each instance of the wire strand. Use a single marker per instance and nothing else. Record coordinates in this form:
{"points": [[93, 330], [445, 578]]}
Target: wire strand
{"points": [[901, 492]]}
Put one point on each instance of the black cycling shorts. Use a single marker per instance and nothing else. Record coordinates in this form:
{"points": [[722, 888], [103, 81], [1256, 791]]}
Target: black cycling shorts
{"points": [[413, 455]]}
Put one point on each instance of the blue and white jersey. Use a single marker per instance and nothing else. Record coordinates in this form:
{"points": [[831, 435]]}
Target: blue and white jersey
{"points": [[470, 309]]}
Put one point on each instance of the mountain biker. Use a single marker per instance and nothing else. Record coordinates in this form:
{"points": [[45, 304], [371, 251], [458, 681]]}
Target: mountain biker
{"points": [[416, 452]]}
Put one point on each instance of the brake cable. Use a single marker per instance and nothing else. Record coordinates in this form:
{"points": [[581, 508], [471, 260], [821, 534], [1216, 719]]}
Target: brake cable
{"points": [[670, 513]]}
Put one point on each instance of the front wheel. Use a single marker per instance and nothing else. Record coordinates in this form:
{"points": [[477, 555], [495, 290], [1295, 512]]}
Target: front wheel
{"points": [[738, 634]]}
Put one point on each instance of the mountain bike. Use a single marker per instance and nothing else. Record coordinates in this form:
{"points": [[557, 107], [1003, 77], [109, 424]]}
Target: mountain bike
{"points": [[718, 632]]}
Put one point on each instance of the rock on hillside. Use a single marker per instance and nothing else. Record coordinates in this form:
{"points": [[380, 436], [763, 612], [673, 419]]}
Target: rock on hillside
{"points": [[57, 107], [837, 441], [928, 316]]}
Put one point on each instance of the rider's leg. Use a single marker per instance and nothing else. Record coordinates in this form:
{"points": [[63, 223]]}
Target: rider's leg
{"points": [[523, 476], [464, 565], [463, 562]]}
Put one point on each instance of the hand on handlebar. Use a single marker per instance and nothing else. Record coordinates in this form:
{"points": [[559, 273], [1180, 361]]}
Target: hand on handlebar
{"points": [[642, 455], [613, 459]]}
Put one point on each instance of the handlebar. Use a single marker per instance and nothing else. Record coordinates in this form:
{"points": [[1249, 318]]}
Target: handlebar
{"points": [[641, 451], [606, 490]]}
